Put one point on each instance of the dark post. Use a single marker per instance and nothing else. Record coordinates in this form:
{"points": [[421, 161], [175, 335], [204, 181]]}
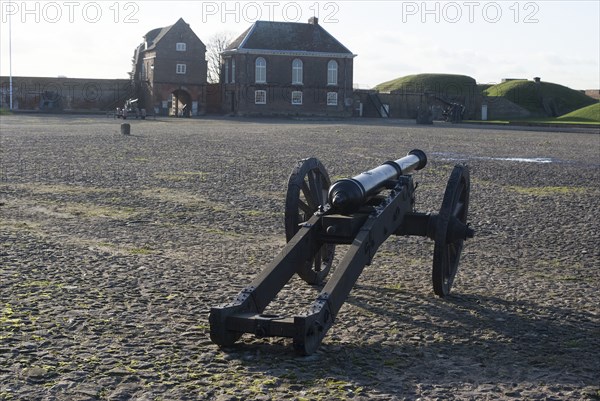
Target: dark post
{"points": [[125, 129]]}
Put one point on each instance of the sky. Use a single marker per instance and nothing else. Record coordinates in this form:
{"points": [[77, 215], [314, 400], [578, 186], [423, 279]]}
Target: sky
{"points": [[558, 41]]}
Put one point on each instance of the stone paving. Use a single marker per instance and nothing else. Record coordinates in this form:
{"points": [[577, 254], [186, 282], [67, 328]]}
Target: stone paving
{"points": [[113, 249]]}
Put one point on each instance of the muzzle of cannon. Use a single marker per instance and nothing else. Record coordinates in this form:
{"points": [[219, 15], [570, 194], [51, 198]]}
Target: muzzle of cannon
{"points": [[362, 211]]}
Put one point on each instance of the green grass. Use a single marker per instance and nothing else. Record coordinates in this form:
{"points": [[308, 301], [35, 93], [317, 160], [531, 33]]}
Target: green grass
{"points": [[444, 84], [532, 121], [557, 121], [531, 96], [586, 114], [483, 87], [142, 251], [6, 318]]}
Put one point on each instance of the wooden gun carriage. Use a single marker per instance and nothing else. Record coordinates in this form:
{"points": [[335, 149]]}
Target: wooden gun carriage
{"points": [[362, 212]]}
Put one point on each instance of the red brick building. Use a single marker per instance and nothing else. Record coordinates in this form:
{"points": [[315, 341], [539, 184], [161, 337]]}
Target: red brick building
{"points": [[284, 68], [169, 71]]}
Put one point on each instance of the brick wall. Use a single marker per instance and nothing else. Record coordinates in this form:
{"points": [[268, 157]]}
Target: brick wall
{"points": [[65, 94], [593, 93]]}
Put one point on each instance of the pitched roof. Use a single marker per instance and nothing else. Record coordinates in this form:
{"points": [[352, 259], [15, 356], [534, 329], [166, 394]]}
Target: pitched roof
{"points": [[287, 36], [154, 36]]}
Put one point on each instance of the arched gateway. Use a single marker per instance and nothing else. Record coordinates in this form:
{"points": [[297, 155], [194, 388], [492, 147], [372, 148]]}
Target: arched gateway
{"points": [[181, 104]]}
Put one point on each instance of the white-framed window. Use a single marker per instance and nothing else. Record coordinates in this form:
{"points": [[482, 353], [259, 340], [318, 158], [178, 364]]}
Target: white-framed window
{"points": [[181, 46], [296, 97], [332, 72], [181, 69], [227, 71], [332, 99], [232, 70], [297, 72], [260, 97], [260, 73]]}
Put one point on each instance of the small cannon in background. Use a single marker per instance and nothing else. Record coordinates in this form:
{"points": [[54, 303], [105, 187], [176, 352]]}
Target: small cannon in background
{"points": [[363, 212], [130, 109]]}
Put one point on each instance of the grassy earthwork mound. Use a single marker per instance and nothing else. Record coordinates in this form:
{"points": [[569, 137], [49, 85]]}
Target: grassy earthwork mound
{"points": [[533, 96], [589, 113], [445, 84]]}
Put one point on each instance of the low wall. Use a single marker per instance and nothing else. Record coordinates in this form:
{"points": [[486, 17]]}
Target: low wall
{"points": [[65, 94], [406, 105], [500, 108]]}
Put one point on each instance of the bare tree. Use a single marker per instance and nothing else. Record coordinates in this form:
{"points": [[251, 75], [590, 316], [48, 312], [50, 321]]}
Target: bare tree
{"points": [[216, 45]]}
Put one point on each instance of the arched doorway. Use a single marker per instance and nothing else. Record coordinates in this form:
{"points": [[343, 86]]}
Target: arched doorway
{"points": [[181, 104]]}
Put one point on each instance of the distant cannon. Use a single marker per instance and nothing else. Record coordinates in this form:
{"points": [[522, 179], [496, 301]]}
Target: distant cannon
{"points": [[130, 108], [362, 211], [454, 113]]}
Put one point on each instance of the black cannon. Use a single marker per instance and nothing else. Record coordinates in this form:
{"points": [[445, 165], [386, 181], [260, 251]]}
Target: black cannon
{"points": [[363, 212]]}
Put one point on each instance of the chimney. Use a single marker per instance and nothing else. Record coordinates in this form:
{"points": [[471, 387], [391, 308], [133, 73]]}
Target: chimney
{"points": [[313, 21], [537, 80]]}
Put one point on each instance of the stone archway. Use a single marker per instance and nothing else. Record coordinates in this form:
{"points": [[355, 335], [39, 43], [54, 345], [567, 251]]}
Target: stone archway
{"points": [[181, 103]]}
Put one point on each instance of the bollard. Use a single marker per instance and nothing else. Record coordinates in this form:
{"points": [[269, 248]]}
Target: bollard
{"points": [[125, 129]]}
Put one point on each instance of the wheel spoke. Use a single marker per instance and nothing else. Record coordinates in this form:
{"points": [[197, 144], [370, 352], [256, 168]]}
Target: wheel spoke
{"points": [[304, 207], [459, 192], [452, 252], [459, 210], [312, 184], [318, 189], [308, 196]]}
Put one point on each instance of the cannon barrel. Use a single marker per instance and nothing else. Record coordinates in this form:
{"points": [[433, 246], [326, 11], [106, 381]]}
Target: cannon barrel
{"points": [[348, 194]]}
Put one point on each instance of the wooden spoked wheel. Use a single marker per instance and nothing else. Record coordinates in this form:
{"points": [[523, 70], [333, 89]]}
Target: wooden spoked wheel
{"points": [[307, 190], [448, 247]]}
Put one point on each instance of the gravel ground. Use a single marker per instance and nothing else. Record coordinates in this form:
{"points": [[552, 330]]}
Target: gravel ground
{"points": [[113, 249]]}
